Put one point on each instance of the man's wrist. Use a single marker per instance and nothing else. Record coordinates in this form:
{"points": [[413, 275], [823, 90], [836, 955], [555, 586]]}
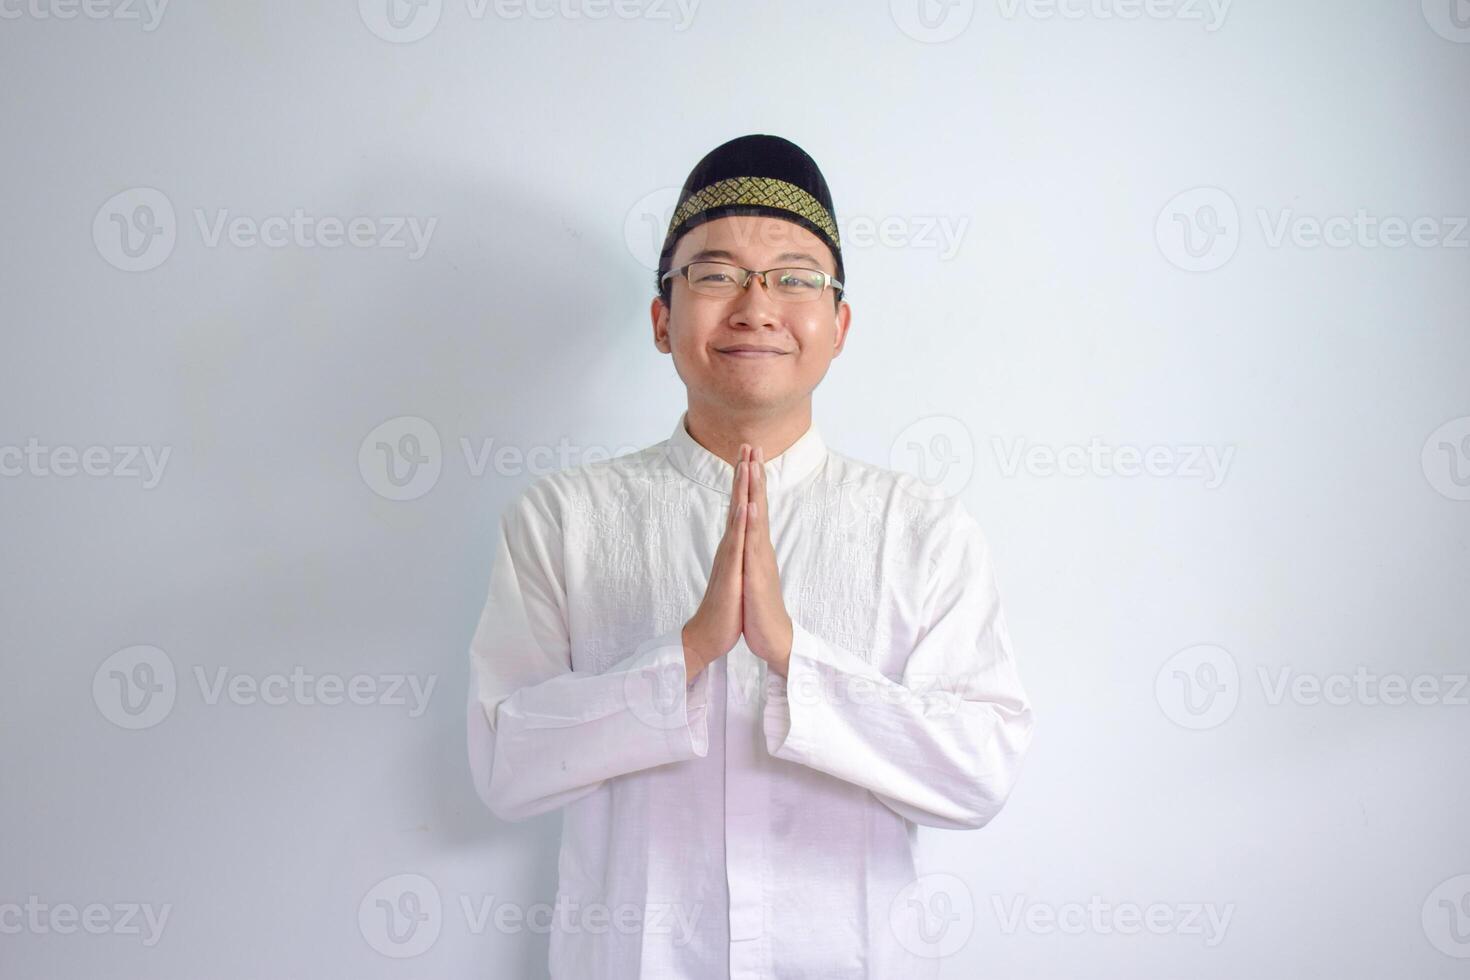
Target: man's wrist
{"points": [[694, 660]]}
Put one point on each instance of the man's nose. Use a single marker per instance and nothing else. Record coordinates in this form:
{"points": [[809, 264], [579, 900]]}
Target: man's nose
{"points": [[755, 303]]}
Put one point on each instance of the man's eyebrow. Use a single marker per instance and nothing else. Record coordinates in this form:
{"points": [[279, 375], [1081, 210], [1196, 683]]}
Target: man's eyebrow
{"points": [[720, 253], [793, 256], [711, 253]]}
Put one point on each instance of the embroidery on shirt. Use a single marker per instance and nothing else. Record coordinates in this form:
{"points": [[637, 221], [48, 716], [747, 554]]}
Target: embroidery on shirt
{"points": [[843, 526], [629, 535]]}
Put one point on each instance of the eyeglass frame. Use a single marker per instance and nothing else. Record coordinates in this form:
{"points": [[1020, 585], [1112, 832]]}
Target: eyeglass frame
{"points": [[683, 270]]}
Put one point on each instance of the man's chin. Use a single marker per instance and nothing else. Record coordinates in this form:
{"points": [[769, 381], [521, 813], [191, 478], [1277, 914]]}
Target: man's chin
{"points": [[738, 398]]}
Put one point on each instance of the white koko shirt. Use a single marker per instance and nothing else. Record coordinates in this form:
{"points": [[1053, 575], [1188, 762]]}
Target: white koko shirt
{"points": [[743, 825]]}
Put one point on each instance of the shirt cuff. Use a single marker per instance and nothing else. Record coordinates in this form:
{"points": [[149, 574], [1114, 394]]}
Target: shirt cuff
{"points": [[660, 694], [793, 710]]}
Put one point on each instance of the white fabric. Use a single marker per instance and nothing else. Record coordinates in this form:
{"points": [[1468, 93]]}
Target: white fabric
{"points": [[743, 825]]}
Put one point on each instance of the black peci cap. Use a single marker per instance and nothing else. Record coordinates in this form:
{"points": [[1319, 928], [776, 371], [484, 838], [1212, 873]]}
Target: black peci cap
{"points": [[755, 174]]}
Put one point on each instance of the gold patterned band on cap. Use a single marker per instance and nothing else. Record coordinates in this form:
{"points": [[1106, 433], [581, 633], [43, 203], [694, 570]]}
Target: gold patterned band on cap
{"points": [[767, 191]]}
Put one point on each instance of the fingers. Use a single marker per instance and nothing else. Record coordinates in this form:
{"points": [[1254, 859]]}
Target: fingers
{"points": [[719, 617], [734, 485], [735, 495], [757, 494], [732, 546], [755, 524], [739, 501], [742, 477]]}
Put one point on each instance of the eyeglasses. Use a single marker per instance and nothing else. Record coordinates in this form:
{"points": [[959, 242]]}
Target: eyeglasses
{"points": [[724, 280]]}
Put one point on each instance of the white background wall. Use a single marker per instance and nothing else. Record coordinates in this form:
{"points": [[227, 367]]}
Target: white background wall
{"points": [[1154, 615]]}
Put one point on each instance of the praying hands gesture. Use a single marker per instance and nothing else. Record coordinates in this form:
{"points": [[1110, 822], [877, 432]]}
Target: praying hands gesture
{"points": [[744, 591]]}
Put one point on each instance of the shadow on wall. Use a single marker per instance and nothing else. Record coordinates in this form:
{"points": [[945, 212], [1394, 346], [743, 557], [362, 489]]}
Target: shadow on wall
{"points": [[494, 332]]}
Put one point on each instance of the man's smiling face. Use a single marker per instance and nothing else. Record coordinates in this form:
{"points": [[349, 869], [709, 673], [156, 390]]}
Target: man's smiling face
{"points": [[751, 350]]}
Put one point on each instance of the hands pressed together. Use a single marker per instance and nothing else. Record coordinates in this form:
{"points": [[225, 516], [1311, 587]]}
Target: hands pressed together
{"points": [[744, 591]]}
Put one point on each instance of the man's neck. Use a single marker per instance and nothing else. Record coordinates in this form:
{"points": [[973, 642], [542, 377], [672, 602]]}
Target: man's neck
{"points": [[722, 433]]}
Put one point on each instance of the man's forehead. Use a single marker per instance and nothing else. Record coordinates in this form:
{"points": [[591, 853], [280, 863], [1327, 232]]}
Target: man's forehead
{"points": [[753, 238]]}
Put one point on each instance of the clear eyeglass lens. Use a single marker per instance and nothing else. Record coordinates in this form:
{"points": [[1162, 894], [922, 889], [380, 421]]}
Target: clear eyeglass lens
{"points": [[723, 279]]}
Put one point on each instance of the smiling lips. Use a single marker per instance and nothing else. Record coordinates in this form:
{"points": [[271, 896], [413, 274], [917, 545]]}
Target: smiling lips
{"points": [[751, 350]]}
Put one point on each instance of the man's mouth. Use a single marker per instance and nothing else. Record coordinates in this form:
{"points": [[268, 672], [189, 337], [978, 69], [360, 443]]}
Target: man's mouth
{"points": [[751, 350]]}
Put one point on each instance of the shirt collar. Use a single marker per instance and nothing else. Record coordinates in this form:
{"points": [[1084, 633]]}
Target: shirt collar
{"points": [[799, 460]]}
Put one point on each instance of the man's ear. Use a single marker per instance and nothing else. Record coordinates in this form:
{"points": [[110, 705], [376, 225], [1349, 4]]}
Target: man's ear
{"points": [[844, 320], [659, 311]]}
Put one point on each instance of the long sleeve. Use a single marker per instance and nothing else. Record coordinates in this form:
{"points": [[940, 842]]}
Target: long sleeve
{"points": [[540, 734], [943, 747]]}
